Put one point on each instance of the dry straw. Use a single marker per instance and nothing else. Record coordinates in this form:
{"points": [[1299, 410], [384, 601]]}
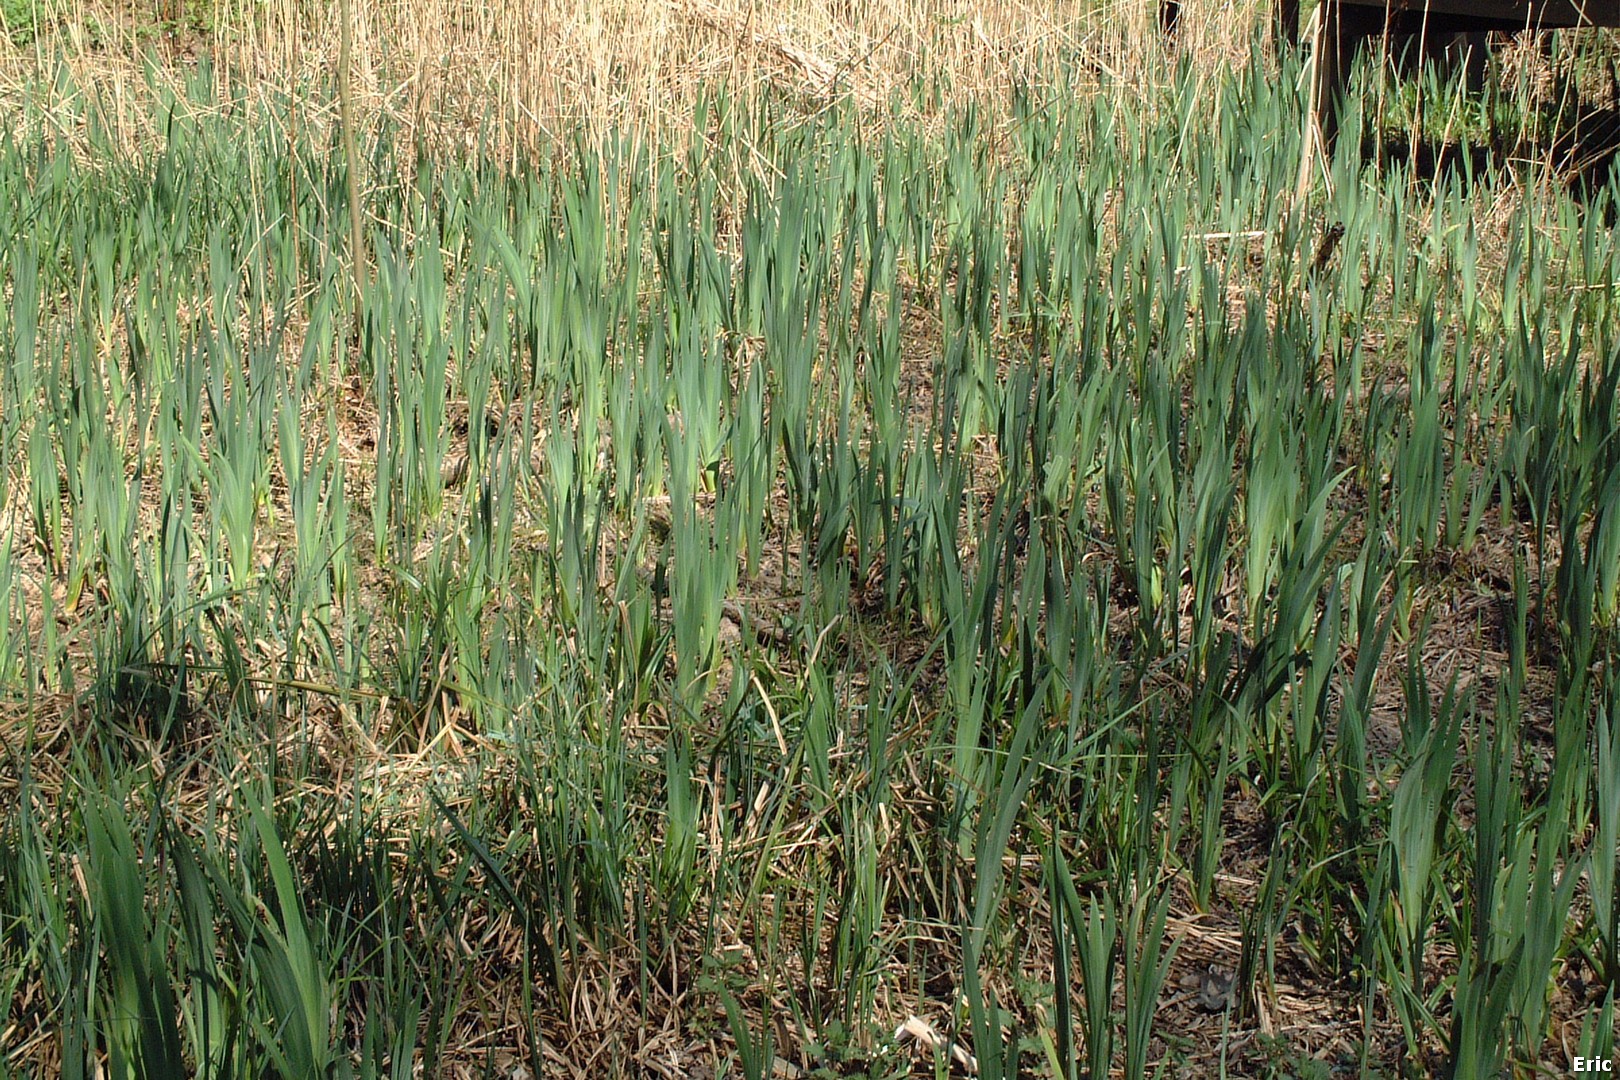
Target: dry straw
{"points": [[513, 74]]}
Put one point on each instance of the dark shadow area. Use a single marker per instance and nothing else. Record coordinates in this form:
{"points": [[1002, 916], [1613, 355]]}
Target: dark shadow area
{"points": [[1576, 140], [1584, 155], [1581, 157], [1432, 159]]}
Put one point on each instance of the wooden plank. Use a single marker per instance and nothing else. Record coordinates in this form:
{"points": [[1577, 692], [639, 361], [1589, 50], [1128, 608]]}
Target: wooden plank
{"points": [[1534, 14]]}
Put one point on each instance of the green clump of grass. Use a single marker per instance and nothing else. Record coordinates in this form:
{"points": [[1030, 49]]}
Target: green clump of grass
{"points": [[22, 20]]}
